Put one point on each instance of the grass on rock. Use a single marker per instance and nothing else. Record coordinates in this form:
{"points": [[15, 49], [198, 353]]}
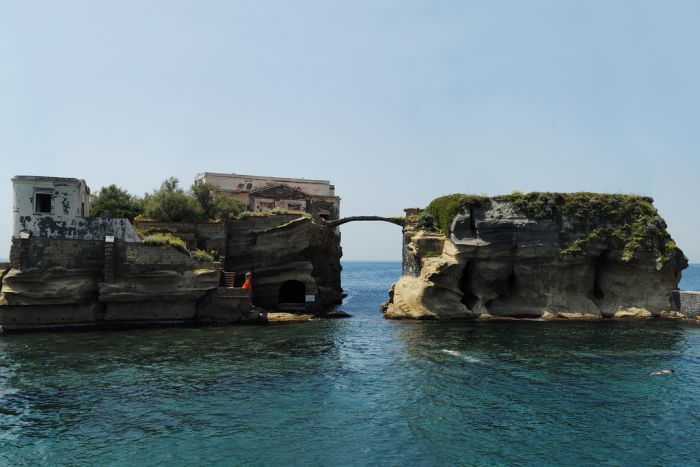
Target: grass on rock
{"points": [[162, 239], [625, 223]]}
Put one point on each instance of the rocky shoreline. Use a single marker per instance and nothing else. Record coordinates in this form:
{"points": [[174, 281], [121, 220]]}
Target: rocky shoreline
{"points": [[57, 283]]}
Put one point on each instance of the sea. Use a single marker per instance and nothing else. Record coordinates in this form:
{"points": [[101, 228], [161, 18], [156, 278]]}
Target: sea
{"points": [[356, 391]]}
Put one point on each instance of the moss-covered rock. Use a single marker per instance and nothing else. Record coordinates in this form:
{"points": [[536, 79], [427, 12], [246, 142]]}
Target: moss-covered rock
{"points": [[625, 223], [443, 210], [537, 255]]}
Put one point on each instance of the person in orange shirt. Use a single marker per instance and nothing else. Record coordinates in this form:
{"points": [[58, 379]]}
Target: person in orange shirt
{"points": [[247, 284]]}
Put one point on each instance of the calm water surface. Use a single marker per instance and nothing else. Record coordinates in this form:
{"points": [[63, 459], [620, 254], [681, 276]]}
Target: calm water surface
{"points": [[353, 392]]}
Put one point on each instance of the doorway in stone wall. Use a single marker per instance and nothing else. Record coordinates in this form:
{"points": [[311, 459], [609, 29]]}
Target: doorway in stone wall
{"points": [[292, 296]]}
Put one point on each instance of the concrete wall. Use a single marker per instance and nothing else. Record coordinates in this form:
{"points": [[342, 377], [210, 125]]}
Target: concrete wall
{"points": [[89, 255], [139, 258], [69, 254], [70, 199], [78, 228], [690, 303]]}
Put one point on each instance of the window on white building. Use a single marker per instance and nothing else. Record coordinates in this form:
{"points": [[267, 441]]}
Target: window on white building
{"points": [[42, 202]]}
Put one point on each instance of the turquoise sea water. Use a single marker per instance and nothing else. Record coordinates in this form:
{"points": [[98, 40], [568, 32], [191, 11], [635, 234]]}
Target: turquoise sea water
{"points": [[360, 391], [691, 278]]}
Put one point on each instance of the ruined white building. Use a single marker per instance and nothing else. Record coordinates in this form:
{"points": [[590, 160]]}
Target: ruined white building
{"points": [[57, 207]]}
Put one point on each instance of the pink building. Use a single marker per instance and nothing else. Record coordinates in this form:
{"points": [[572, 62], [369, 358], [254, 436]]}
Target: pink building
{"points": [[261, 193]]}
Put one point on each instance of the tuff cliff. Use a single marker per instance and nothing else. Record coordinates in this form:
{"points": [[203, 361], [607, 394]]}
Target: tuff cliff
{"points": [[537, 255], [295, 260], [66, 283], [295, 263]]}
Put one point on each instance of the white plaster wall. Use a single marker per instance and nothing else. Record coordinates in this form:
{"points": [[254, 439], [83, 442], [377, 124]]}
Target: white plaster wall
{"points": [[83, 198], [66, 198]]}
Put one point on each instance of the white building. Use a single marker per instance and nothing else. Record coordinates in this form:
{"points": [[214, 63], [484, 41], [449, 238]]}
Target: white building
{"points": [[63, 199], [56, 207]]}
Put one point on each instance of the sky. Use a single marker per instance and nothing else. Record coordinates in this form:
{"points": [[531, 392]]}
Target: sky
{"points": [[395, 101]]}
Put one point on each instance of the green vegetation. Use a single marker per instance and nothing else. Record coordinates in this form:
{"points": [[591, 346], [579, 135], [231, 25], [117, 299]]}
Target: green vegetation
{"points": [[112, 201], [171, 203], [443, 210], [166, 239], [425, 220], [216, 206], [625, 223], [152, 230], [202, 256]]}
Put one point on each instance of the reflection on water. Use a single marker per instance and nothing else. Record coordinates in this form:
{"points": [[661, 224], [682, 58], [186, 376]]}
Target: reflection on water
{"points": [[356, 391]]}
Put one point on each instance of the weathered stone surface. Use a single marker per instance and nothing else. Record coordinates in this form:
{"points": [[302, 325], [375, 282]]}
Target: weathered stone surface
{"points": [[52, 286], [163, 311], [159, 285], [29, 317], [283, 248], [690, 303], [223, 306], [45, 253], [277, 318], [77, 228], [496, 261], [209, 236]]}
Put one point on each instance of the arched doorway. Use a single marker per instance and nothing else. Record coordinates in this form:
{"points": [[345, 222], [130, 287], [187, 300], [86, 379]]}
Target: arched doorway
{"points": [[292, 295]]}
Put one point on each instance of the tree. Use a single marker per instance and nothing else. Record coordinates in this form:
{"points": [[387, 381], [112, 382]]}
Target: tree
{"points": [[112, 201], [204, 194], [171, 203], [215, 206], [226, 207]]}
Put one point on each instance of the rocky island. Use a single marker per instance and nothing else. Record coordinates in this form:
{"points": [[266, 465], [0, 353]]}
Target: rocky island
{"points": [[537, 255], [220, 254]]}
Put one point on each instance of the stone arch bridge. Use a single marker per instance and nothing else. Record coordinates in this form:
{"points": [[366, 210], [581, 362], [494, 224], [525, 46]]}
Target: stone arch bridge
{"points": [[400, 221]]}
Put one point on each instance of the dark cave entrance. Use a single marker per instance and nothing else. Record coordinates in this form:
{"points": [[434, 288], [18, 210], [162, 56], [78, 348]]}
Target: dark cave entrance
{"points": [[469, 299], [600, 263], [292, 294]]}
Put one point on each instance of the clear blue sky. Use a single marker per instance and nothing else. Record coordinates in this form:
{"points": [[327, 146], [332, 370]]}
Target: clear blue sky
{"points": [[396, 102]]}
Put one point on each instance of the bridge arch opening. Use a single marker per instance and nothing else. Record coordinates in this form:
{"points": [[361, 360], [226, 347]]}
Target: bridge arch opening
{"points": [[371, 238]]}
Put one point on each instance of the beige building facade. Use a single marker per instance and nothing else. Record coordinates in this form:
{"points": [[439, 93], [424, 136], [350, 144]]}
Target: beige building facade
{"points": [[262, 193]]}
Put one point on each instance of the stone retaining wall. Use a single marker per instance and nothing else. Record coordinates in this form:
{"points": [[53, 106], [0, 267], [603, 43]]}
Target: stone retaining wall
{"points": [[138, 257], [70, 254], [78, 228], [690, 303]]}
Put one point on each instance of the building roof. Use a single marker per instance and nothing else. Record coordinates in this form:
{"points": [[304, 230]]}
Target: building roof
{"points": [[263, 177], [40, 178]]}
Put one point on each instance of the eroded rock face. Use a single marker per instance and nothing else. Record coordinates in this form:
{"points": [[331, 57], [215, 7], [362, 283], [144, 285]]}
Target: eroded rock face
{"points": [[51, 286], [287, 250], [497, 261]]}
